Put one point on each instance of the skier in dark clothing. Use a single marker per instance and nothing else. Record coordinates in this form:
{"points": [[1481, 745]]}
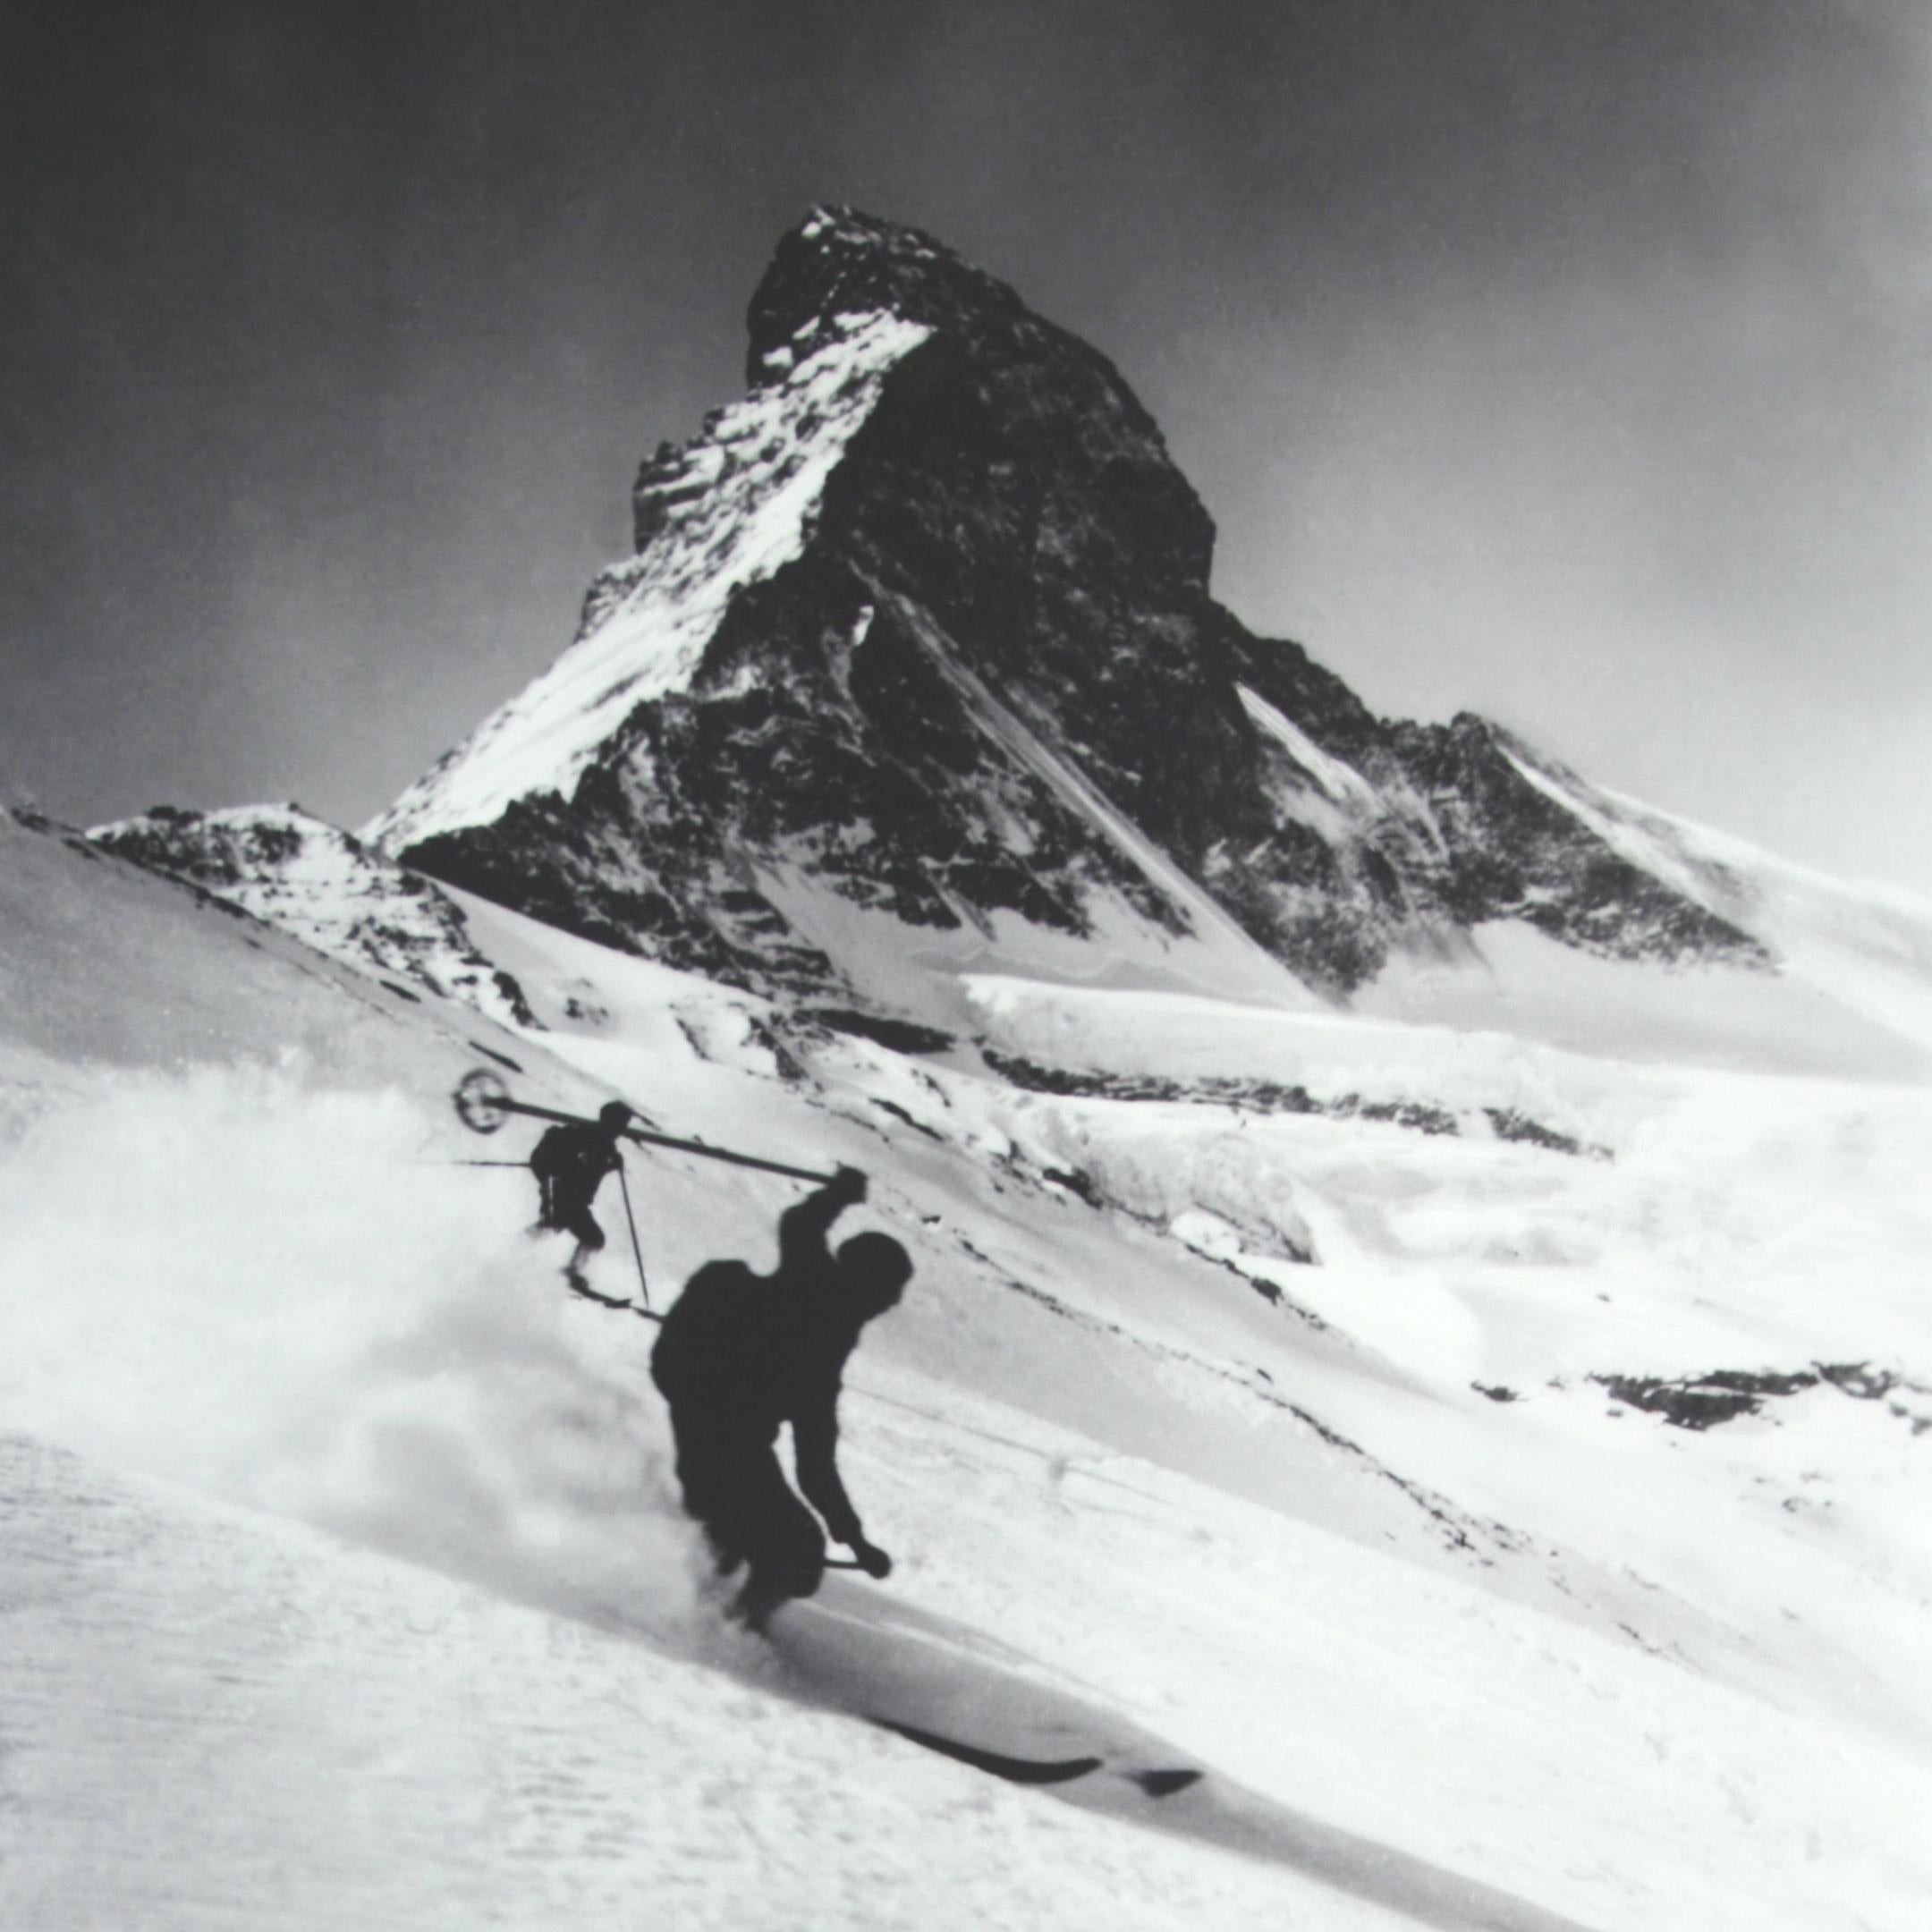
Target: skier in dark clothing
{"points": [[742, 1353], [570, 1163]]}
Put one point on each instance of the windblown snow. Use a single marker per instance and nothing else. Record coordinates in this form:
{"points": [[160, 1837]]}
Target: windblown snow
{"points": [[751, 483], [1865, 948], [1343, 784], [1548, 1548]]}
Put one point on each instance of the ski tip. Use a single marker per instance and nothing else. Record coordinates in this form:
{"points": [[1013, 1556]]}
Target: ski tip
{"points": [[1164, 1784], [1014, 1770]]}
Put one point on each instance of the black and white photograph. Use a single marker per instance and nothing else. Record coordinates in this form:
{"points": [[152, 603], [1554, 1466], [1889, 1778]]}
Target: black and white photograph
{"points": [[966, 965]]}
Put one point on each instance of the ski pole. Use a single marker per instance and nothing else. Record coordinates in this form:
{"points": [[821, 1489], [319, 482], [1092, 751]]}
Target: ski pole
{"points": [[624, 1183]]}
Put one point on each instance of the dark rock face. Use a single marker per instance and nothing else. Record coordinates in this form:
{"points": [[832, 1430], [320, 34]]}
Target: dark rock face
{"points": [[1703, 1402], [988, 677]]}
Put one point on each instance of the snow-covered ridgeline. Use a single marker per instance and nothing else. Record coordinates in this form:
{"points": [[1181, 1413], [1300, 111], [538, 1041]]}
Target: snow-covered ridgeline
{"points": [[1867, 946], [325, 888], [1340, 803], [1339, 780], [1650, 847], [747, 492]]}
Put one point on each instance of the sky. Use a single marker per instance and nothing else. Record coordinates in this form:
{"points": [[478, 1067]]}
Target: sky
{"points": [[1568, 364]]}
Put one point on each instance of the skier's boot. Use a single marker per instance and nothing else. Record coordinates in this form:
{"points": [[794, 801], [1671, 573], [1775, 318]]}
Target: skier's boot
{"points": [[756, 1603], [580, 1286]]}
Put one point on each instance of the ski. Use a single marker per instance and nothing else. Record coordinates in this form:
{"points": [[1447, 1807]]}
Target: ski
{"points": [[1161, 1784], [483, 1103], [1014, 1770]]}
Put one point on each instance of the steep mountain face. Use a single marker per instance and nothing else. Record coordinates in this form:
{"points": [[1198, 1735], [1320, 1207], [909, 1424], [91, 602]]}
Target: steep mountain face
{"points": [[922, 627]]}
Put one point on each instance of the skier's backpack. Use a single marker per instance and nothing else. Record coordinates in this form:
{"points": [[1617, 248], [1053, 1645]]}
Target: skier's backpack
{"points": [[550, 1161], [551, 1155], [707, 1333]]}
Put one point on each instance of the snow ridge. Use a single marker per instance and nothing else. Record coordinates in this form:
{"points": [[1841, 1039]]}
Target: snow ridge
{"points": [[1868, 947], [1338, 779], [729, 510], [327, 889], [1649, 848], [1243, 960]]}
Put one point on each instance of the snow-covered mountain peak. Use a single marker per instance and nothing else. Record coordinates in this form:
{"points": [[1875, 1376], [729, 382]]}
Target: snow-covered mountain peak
{"points": [[916, 675], [840, 260], [727, 510]]}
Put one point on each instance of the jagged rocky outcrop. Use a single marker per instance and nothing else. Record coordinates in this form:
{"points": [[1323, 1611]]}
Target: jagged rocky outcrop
{"points": [[1704, 1401], [923, 626], [329, 890]]}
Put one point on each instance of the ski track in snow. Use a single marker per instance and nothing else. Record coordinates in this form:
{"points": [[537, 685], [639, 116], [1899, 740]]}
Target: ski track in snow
{"points": [[215, 1719], [913, 1672]]}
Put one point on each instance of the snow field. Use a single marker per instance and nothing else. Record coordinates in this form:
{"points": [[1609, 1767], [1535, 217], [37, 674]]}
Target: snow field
{"points": [[1425, 1713], [404, 1374], [216, 1718], [231, 1324], [1635, 1675], [1746, 1223]]}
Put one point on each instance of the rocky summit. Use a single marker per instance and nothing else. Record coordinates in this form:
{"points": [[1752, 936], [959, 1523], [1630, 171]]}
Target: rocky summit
{"points": [[917, 661]]}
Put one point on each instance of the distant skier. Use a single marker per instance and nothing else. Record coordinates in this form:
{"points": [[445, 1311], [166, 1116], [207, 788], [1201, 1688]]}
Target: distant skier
{"points": [[740, 1355], [570, 1163]]}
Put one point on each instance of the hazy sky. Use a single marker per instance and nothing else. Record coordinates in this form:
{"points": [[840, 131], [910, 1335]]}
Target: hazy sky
{"points": [[1563, 359]]}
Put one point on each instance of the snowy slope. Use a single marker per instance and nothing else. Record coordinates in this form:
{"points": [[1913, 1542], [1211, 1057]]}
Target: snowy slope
{"points": [[382, 1745], [1866, 946], [344, 1582], [326, 888], [107, 965]]}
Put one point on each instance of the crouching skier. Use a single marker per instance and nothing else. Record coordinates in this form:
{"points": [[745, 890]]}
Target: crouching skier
{"points": [[570, 1163], [741, 1353]]}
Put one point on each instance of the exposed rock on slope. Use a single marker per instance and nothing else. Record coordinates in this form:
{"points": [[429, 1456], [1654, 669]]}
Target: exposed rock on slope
{"points": [[922, 626], [326, 888]]}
